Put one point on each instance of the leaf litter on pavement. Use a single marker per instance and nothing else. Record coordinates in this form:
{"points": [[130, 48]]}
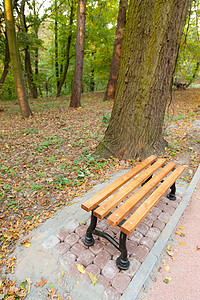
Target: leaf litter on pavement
{"points": [[47, 160]]}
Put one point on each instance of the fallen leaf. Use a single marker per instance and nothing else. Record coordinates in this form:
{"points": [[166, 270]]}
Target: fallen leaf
{"points": [[182, 234], [81, 269], [163, 261], [167, 279], [27, 244], [182, 243], [29, 281], [181, 227], [166, 268], [93, 278], [42, 282], [78, 282], [198, 248], [168, 247], [62, 273], [178, 232]]}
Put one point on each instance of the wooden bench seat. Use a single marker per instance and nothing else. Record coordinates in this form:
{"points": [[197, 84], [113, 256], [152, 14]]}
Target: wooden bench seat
{"points": [[150, 174]]}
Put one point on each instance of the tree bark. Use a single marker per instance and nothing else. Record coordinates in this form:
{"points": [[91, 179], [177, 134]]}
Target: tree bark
{"points": [[56, 44], [67, 51], [114, 69], [15, 60], [28, 68], [6, 62], [149, 51], [80, 39]]}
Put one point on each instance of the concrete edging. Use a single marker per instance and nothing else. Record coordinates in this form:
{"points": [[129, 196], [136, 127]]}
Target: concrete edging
{"points": [[146, 268]]}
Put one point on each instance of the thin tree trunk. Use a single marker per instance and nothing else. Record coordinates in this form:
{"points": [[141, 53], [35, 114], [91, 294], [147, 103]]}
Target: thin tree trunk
{"points": [[56, 44], [80, 39], [149, 51], [121, 22], [67, 51], [28, 68], [92, 83], [32, 87], [6, 62], [15, 60]]}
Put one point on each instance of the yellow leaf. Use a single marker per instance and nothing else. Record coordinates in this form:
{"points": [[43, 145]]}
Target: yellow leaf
{"points": [[169, 278], [163, 261], [27, 244], [166, 268], [181, 227], [178, 232], [62, 273], [168, 247], [81, 269]]}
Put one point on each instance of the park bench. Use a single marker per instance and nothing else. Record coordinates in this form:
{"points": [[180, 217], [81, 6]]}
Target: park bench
{"points": [[151, 178]]}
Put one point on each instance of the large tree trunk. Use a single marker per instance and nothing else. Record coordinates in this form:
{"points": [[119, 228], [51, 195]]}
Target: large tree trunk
{"points": [[15, 60], [149, 51], [6, 62], [80, 39], [114, 69], [67, 51]]}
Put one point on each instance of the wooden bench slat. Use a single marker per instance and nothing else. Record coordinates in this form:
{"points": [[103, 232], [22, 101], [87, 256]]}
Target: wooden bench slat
{"points": [[136, 218], [114, 200], [111, 188], [118, 215]]}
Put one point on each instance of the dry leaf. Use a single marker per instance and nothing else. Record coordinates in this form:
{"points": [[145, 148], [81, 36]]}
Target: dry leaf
{"points": [[42, 283], [81, 269], [27, 244], [62, 273], [166, 268], [168, 247], [181, 227], [182, 243], [198, 248], [163, 261], [178, 232], [93, 278]]}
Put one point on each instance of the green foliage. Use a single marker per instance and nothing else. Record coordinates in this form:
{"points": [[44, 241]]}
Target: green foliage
{"points": [[187, 68]]}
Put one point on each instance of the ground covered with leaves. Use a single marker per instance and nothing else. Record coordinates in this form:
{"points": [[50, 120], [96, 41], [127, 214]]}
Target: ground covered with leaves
{"points": [[47, 160]]}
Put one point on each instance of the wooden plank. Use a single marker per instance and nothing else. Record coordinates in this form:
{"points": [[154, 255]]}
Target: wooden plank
{"points": [[113, 201], [118, 215], [114, 186], [129, 226]]}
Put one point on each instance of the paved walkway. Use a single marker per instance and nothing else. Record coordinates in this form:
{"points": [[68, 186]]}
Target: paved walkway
{"points": [[183, 268], [57, 248]]}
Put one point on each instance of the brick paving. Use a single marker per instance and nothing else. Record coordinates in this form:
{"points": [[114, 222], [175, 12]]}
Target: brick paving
{"points": [[100, 259]]}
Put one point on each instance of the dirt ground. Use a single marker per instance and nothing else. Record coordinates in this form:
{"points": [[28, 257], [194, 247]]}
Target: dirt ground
{"points": [[46, 160]]}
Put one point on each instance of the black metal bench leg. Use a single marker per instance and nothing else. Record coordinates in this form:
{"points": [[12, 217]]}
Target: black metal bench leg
{"points": [[122, 261], [88, 239], [172, 194]]}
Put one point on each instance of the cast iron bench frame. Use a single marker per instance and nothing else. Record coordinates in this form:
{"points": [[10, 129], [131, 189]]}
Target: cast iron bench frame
{"points": [[148, 180]]}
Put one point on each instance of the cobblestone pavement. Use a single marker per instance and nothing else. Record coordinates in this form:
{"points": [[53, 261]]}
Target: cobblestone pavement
{"points": [[57, 248], [99, 259]]}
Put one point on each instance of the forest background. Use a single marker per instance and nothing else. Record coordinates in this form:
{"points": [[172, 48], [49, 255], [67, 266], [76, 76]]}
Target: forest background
{"points": [[46, 32]]}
